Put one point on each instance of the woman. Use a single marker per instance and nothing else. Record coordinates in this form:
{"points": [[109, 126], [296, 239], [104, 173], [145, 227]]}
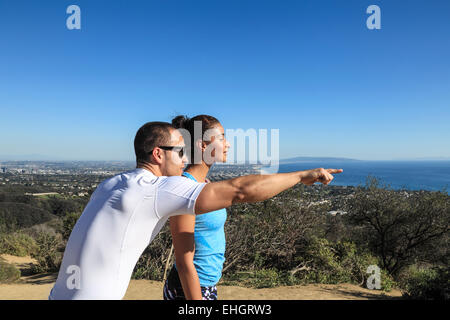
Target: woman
{"points": [[199, 241]]}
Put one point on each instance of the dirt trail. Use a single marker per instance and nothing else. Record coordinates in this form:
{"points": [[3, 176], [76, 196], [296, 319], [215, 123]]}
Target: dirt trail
{"points": [[37, 287]]}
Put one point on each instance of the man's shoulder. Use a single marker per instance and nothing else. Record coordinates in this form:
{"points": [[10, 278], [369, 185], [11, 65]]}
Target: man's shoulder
{"points": [[127, 181], [176, 180], [177, 184]]}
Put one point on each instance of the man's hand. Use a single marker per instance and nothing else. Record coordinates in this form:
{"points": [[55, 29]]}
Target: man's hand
{"points": [[319, 175]]}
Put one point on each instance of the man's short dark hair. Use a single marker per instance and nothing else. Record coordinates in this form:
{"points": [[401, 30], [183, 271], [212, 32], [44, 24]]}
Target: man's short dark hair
{"points": [[149, 136]]}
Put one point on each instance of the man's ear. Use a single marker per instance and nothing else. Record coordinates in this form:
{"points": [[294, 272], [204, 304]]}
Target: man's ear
{"points": [[157, 156]]}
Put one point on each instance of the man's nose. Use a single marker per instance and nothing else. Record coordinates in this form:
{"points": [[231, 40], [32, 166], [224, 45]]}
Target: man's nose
{"points": [[184, 159]]}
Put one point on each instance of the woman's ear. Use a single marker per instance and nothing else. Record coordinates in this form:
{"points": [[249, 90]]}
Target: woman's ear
{"points": [[200, 145]]}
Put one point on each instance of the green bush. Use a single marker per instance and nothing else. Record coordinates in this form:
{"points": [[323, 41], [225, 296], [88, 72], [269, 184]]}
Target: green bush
{"points": [[15, 216], [387, 281], [8, 272], [68, 224], [334, 262], [17, 244], [269, 235], [47, 255], [260, 278], [400, 228], [322, 262], [426, 283], [147, 270], [152, 262], [61, 207], [266, 278]]}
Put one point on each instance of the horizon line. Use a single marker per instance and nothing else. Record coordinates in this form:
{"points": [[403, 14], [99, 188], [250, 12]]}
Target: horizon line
{"points": [[48, 159]]}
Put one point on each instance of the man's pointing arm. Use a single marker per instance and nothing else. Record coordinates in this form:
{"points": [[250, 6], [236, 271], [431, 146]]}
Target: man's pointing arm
{"points": [[254, 188]]}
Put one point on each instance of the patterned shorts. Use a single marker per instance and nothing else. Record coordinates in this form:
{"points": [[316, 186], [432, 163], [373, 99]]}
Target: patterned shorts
{"points": [[174, 291]]}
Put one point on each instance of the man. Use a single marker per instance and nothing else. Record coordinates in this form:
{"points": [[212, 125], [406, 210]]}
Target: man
{"points": [[127, 211]]}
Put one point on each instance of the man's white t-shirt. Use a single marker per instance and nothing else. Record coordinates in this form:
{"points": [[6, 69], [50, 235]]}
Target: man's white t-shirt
{"points": [[123, 216]]}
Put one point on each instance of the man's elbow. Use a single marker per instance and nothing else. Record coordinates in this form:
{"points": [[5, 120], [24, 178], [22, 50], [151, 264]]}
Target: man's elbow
{"points": [[240, 196], [240, 192]]}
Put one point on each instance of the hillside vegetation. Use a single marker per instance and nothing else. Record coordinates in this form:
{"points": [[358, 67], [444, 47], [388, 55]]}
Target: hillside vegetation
{"points": [[318, 234]]}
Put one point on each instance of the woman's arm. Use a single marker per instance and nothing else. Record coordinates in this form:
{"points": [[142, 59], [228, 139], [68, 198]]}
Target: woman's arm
{"points": [[182, 229]]}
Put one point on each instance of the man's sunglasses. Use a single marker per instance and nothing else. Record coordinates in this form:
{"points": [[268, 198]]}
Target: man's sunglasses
{"points": [[180, 150]]}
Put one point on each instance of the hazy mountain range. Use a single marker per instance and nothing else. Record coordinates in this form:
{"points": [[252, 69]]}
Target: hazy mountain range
{"points": [[309, 159]]}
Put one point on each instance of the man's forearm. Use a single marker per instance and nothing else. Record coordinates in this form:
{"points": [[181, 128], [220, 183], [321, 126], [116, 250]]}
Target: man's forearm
{"points": [[255, 188]]}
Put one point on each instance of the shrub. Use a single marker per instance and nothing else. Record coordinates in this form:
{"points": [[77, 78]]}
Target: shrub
{"points": [[333, 262], [399, 227], [17, 244], [260, 278], [269, 235], [53, 226], [14, 216], [47, 255], [152, 262], [146, 268], [61, 207], [8, 272], [68, 224], [387, 281], [426, 283], [266, 278]]}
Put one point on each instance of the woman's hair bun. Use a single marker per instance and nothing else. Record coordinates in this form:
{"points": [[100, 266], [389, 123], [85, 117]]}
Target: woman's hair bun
{"points": [[180, 122]]}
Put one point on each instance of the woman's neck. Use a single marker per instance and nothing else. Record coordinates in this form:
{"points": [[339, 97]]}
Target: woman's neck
{"points": [[198, 171]]}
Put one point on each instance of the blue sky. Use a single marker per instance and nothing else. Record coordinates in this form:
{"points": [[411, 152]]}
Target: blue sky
{"points": [[311, 69]]}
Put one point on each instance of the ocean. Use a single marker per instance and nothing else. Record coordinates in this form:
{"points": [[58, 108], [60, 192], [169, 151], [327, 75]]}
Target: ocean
{"points": [[411, 175]]}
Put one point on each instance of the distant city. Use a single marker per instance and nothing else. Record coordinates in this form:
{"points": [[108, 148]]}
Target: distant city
{"points": [[65, 167], [105, 168], [79, 178]]}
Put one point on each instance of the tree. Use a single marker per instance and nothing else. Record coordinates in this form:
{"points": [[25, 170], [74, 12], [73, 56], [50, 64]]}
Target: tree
{"points": [[14, 216], [398, 226], [69, 222]]}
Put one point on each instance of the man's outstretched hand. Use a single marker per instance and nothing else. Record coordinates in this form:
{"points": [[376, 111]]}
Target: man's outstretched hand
{"points": [[319, 175]]}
